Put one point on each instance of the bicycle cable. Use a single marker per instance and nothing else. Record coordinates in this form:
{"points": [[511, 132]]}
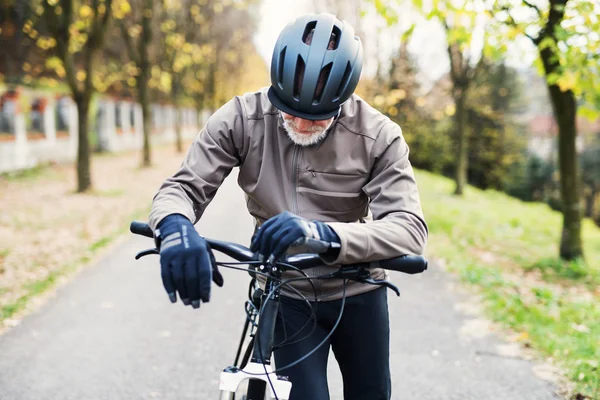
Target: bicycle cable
{"points": [[312, 316], [231, 265], [326, 337]]}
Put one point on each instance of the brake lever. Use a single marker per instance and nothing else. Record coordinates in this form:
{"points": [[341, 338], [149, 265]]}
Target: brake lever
{"points": [[385, 283], [146, 253], [361, 274]]}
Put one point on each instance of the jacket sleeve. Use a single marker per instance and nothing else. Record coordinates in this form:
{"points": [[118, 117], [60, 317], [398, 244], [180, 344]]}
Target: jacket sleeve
{"points": [[398, 226], [209, 160]]}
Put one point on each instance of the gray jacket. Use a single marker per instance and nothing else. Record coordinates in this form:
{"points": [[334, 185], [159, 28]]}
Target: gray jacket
{"points": [[358, 180]]}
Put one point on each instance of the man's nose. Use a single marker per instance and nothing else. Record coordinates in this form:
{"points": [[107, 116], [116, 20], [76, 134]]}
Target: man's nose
{"points": [[303, 124]]}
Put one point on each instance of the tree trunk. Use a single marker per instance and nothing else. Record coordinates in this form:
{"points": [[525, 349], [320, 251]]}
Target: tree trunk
{"points": [[144, 77], [212, 86], [176, 92], [565, 110], [462, 161], [146, 124], [178, 133], [590, 201], [84, 179]]}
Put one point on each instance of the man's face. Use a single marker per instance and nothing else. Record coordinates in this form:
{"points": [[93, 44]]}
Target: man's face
{"points": [[305, 132]]}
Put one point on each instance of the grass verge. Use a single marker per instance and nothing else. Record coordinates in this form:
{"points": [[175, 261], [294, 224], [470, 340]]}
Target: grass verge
{"points": [[505, 247], [29, 175]]}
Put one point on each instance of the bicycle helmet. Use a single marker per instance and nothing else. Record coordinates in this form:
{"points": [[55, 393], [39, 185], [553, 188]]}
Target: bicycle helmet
{"points": [[315, 67]]}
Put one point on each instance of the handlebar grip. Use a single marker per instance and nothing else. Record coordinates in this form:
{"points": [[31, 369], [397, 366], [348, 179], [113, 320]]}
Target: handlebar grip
{"points": [[408, 264], [141, 228]]}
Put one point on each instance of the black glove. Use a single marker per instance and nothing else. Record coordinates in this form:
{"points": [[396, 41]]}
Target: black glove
{"points": [[187, 263], [286, 229]]}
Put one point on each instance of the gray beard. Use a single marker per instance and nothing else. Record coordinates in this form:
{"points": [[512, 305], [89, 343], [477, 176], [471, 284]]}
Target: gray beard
{"points": [[305, 139]]}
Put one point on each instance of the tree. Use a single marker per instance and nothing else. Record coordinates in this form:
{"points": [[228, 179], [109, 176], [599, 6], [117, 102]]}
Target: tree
{"points": [[398, 94], [563, 34], [180, 29], [136, 27], [227, 51], [78, 30], [188, 28]]}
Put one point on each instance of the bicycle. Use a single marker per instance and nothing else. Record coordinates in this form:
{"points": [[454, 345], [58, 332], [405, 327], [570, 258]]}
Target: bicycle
{"points": [[263, 304]]}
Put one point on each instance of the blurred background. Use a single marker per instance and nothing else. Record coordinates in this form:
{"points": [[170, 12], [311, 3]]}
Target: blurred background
{"points": [[498, 101]]}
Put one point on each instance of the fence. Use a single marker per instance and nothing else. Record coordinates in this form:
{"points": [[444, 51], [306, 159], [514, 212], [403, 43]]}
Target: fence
{"points": [[37, 127]]}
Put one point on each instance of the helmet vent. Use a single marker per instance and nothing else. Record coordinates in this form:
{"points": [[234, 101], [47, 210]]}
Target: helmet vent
{"points": [[280, 68], [299, 77], [323, 77], [308, 30], [344, 81], [336, 35]]}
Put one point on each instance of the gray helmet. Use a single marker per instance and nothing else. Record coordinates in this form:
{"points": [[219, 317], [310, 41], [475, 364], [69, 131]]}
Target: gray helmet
{"points": [[315, 67]]}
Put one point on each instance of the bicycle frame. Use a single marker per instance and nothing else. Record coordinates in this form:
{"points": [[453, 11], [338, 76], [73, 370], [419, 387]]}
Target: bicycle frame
{"points": [[259, 371]]}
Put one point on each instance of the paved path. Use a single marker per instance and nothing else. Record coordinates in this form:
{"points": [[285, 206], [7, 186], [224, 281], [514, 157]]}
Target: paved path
{"points": [[112, 334]]}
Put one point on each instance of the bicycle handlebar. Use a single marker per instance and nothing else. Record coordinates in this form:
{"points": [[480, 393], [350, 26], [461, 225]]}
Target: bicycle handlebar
{"points": [[409, 264]]}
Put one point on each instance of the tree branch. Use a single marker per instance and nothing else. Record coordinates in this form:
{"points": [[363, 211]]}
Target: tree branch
{"points": [[512, 22], [67, 12], [451, 55], [69, 65], [59, 29], [128, 43], [536, 8], [100, 23], [554, 18]]}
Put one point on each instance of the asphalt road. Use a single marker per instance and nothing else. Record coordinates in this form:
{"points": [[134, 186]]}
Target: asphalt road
{"points": [[111, 333]]}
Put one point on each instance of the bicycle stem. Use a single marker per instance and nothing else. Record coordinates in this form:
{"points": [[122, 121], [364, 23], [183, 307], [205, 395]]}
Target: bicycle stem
{"points": [[263, 341], [263, 344]]}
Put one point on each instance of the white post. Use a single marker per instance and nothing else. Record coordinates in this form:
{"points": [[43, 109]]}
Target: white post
{"points": [[22, 156], [48, 123], [138, 125]]}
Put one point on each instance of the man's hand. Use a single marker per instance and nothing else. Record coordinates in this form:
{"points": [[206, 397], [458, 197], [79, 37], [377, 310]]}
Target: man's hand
{"points": [[286, 229], [187, 263]]}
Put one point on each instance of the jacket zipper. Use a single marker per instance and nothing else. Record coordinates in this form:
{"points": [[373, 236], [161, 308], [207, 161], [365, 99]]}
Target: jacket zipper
{"points": [[295, 156]]}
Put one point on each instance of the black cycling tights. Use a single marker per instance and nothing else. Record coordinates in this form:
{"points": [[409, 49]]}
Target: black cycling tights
{"points": [[360, 345]]}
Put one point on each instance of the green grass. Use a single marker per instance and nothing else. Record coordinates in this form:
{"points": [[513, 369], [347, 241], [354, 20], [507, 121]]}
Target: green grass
{"points": [[29, 174], [97, 245], [492, 241], [109, 193], [556, 270]]}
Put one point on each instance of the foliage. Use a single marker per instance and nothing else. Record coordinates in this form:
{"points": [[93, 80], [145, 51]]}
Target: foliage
{"points": [[496, 140], [24, 63], [74, 33], [398, 94], [533, 179], [576, 46], [196, 46]]}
